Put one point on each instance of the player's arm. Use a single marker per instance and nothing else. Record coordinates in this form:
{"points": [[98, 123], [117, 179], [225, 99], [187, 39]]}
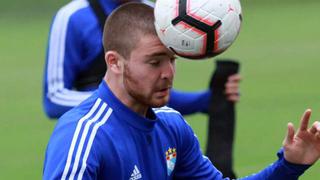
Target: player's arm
{"points": [[279, 170], [68, 155], [61, 164], [61, 66], [192, 164], [189, 102], [199, 101]]}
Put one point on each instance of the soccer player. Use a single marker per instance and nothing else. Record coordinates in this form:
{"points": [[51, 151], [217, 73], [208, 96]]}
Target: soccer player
{"points": [[123, 132], [75, 66], [75, 61]]}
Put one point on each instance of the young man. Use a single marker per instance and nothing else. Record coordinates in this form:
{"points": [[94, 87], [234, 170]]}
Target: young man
{"points": [[75, 67], [115, 134]]}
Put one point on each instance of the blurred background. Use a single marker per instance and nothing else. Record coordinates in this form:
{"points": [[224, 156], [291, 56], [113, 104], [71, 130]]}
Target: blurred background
{"points": [[278, 48]]}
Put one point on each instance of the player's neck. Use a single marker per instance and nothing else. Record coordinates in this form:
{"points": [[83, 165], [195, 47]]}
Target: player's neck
{"points": [[125, 98]]}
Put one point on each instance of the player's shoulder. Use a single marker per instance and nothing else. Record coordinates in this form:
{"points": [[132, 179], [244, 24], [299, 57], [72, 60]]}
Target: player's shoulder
{"points": [[173, 121], [92, 114], [73, 7], [77, 135], [166, 111], [168, 115], [86, 108], [76, 12]]}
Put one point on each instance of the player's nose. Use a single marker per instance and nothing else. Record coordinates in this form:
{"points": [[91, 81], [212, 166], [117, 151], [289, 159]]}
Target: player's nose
{"points": [[168, 71]]}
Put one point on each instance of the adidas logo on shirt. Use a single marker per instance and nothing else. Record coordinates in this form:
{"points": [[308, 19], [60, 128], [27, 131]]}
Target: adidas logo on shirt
{"points": [[135, 174]]}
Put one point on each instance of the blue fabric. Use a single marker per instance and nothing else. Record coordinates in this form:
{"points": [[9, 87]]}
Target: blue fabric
{"points": [[74, 42], [104, 139], [190, 102]]}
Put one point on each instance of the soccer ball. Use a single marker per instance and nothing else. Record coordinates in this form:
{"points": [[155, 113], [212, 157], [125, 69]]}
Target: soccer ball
{"points": [[197, 29]]}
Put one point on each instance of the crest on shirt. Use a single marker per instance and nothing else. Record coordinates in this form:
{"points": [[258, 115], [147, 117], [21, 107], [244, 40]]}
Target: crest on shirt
{"points": [[171, 156]]}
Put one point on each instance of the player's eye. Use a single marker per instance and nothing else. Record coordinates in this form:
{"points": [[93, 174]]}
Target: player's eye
{"points": [[154, 63]]}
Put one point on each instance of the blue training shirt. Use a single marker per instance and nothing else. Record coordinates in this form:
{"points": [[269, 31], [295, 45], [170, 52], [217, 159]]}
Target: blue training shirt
{"points": [[75, 40], [104, 139]]}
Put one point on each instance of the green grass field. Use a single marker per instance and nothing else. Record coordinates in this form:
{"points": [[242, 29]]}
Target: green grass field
{"points": [[278, 47]]}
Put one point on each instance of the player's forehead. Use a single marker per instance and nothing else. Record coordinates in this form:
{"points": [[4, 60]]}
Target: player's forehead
{"points": [[152, 46]]}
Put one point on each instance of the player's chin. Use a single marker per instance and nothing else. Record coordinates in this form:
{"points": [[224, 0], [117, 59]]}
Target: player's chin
{"points": [[159, 102]]}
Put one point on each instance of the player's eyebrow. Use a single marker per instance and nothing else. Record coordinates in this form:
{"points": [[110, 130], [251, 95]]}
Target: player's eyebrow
{"points": [[158, 54]]}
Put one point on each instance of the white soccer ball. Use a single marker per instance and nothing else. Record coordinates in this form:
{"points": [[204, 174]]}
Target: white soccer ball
{"points": [[197, 29]]}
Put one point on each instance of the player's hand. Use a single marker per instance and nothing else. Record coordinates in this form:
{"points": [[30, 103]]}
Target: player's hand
{"points": [[303, 147], [232, 88]]}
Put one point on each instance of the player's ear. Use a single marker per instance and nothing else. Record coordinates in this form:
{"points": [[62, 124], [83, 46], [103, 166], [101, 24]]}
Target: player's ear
{"points": [[114, 61]]}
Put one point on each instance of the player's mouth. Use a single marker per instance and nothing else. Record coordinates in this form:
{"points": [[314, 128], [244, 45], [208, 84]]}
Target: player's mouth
{"points": [[163, 92]]}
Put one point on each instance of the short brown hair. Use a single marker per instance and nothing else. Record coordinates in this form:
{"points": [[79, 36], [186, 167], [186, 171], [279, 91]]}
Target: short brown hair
{"points": [[126, 25]]}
